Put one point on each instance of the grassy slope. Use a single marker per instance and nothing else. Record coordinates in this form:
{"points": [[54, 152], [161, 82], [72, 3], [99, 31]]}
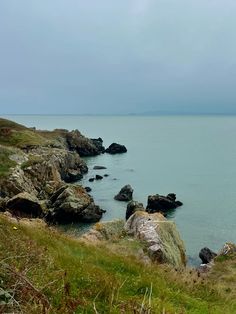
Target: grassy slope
{"points": [[42, 267]]}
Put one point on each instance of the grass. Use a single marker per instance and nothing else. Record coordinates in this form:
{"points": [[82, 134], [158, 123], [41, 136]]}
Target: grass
{"points": [[44, 271], [5, 162]]}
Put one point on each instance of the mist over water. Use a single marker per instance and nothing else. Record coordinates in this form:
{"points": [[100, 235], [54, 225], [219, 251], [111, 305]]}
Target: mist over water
{"points": [[192, 156]]}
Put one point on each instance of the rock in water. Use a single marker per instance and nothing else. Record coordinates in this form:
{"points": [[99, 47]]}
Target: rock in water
{"points": [[25, 205], [132, 207], [98, 177], [125, 194], [160, 203], [99, 167], [115, 148], [206, 255], [160, 236], [88, 189]]}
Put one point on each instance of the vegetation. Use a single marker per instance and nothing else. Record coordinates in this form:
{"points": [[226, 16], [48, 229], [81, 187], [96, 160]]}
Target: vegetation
{"points": [[5, 162], [44, 271]]}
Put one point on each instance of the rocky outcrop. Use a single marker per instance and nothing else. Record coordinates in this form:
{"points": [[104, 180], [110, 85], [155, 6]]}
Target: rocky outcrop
{"points": [[25, 205], [207, 255], [133, 207], [71, 203], [160, 203], [83, 145], [125, 194], [162, 240], [115, 148]]}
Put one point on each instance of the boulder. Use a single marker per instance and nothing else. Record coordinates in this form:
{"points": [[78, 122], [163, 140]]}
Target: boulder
{"points": [[106, 175], [228, 249], [98, 177], [160, 203], [25, 205], [71, 203], [83, 145], [73, 176], [88, 189], [91, 179], [160, 236], [115, 148], [99, 167], [132, 207], [125, 194], [207, 255]]}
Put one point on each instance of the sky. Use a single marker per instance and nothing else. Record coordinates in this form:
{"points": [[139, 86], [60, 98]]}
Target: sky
{"points": [[117, 57]]}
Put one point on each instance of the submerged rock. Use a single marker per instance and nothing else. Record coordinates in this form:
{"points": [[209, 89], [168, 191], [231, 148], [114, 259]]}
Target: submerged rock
{"points": [[99, 167], [207, 255], [98, 177], [115, 148], [132, 207], [160, 236], [91, 179], [125, 194], [160, 203]]}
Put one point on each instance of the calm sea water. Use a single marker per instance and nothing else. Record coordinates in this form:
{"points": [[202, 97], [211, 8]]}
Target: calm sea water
{"points": [[192, 156]]}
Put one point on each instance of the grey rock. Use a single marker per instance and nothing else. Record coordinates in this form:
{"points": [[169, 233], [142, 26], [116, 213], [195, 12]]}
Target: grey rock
{"points": [[125, 194]]}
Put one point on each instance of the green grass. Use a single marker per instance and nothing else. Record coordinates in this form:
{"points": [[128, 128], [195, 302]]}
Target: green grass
{"points": [[5, 162], [41, 268]]}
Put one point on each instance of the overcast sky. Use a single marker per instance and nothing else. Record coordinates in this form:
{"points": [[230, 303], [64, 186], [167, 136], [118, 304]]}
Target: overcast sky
{"points": [[117, 56]]}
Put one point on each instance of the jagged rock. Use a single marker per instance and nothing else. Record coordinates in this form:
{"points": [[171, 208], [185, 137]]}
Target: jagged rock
{"points": [[115, 148], [206, 255], [88, 189], [99, 167], [73, 176], [83, 145], [125, 194], [71, 204], [98, 177], [3, 204], [98, 142], [228, 249], [160, 236], [160, 203], [25, 205], [132, 207]]}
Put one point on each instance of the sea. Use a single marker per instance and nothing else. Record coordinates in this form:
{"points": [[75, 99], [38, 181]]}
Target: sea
{"points": [[192, 156]]}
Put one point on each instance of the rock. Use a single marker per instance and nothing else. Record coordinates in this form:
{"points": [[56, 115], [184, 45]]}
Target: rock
{"points": [[106, 175], [160, 203], [83, 145], [99, 167], [73, 176], [125, 194], [98, 177], [91, 179], [132, 207], [206, 255], [71, 203], [228, 249], [3, 204], [98, 142], [160, 237], [88, 189], [115, 148], [25, 205]]}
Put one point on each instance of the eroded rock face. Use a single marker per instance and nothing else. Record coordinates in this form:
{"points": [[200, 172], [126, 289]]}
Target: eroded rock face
{"points": [[25, 205], [115, 148], [125, 194], [71, 204], [161, 237], [207, 255], [160, 203], [133, 207], [83, 145]]}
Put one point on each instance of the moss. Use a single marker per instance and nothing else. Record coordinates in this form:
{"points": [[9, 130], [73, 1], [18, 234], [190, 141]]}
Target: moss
{"points": [[33, 159], [170, 239]]}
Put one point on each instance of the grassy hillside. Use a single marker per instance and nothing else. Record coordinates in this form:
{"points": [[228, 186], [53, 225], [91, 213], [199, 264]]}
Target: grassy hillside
{"points": [[44, 271]]}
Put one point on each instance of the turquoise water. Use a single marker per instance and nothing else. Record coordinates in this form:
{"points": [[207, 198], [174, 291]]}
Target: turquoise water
{"points": [[192, 156]]}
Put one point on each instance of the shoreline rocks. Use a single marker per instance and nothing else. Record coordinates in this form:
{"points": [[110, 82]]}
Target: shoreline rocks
{"points": [[115, 148], [160, 203], [207, 255], [125, 194], [132, 207]]}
